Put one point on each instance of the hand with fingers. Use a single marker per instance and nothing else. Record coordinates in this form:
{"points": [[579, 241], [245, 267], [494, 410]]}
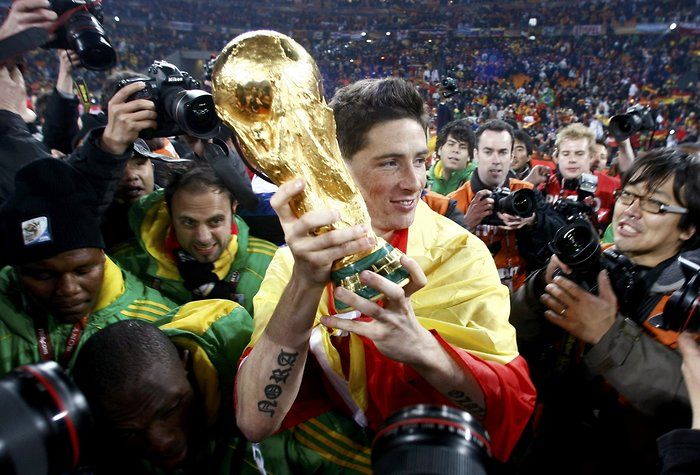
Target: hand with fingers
{"points": [[480, 207], [25, 14], [394, 328], [584, 315], [314, 254], [538, 174], [512, 223], [68, 59], [126, 119]]}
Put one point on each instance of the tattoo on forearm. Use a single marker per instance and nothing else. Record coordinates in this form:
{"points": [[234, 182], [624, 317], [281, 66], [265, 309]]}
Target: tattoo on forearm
{"points": [[279, 375], [466, 403]]}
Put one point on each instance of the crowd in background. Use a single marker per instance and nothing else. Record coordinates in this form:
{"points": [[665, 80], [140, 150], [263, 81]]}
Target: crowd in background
{"points": [[539, 282], [542, 81]]}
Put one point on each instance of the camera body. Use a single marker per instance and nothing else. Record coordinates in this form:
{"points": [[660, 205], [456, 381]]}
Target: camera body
{"points": [[449, 87], [577, 245], [578, 209], [182, 107], [681, 309], [81, 30], [519, 203], [637, 118]]}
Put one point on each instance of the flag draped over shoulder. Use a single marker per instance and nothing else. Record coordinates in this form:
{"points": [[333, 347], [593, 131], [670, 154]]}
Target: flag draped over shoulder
{"points": [[463, 304]]}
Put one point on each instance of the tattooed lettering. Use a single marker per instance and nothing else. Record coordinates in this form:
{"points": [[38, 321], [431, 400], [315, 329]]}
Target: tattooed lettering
{"points": [[466, 403], [286, 361], [280, 375], [267, 407], [273, 391]]}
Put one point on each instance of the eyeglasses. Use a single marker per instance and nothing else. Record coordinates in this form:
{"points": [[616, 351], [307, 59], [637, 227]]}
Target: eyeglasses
{"points": [[648, 204]]}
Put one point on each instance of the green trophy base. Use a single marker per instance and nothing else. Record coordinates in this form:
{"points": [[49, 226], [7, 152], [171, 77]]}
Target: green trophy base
{"points": [[385, 261]]}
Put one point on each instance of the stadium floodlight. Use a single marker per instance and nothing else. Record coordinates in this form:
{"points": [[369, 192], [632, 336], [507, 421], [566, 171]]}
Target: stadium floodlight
{"points": [[364, 33], [673, 26], [531, 38], [388, 33], [532, 22], [116, 18]]}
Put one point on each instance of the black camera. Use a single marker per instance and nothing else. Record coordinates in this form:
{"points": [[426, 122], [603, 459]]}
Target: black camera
{"points": [[182, 107], [578, 209], [45, 421], [577, 245], [519, 203], [427, 440], [681, 309], [636, 119], [449, 87], [81, 30]]}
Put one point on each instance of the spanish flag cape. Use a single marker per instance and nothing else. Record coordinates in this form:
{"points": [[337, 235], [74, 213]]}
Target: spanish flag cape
{"points": [[464, 306]]}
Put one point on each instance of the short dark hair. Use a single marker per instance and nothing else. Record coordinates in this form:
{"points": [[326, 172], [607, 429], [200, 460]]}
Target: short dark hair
{"points": [[363, 104], [459, 130], [198, 177], [656, 166], [522, 136], [495, 125], [115, 356]]}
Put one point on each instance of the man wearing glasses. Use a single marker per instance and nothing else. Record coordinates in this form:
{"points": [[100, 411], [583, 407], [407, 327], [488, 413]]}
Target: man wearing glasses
{"points": [[611, 379]]}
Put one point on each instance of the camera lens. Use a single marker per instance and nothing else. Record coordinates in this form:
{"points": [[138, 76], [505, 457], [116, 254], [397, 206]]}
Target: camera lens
{"points": [[519, 203], [45, 421], [193, 111], [426, 439], [87, 38], [574, 241]]}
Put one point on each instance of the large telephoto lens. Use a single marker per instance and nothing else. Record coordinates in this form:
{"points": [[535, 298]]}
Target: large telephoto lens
{"points": [[577, 245], [624, 125], [87, 38], [427, 439], [519, 203], [193, 111], [45, 421]]}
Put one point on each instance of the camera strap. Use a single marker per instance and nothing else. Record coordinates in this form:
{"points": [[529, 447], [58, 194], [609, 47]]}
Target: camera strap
{"points": [[43, 337], [21, 42], [83, 93]]}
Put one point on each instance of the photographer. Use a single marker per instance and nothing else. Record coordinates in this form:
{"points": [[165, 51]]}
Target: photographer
{"points": [[104, 151], [575, 339], [572, 151], [514, 241]]}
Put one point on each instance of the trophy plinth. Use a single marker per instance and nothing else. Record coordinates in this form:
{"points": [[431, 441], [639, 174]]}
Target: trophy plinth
{"points": [[385, 261], [267, 89]]}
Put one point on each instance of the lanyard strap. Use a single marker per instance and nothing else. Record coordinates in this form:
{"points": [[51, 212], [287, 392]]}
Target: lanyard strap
{"points": [[46, 351]]}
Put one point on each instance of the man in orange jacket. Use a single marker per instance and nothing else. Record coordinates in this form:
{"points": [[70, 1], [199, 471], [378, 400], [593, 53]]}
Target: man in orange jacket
{"points": [[514, 241]]}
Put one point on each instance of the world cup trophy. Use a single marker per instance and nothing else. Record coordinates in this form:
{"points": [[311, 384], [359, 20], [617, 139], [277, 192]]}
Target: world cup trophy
{"points": [[268, 90]]}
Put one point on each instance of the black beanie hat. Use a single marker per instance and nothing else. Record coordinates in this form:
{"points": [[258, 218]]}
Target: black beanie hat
{"points": [[53, 210]]}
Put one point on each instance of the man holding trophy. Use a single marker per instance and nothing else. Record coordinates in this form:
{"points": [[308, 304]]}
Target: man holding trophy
{"points": [[397, 304]]}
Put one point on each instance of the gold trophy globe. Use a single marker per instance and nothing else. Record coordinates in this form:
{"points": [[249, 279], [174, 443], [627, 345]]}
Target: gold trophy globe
{"points": [[267, 89]]}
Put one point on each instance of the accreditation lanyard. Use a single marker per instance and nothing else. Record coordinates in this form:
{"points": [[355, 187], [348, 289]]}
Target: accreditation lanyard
{"points": [[44, 340]]}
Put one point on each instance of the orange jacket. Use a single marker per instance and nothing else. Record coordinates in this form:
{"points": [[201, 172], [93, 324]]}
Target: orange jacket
{"points": [[502, 243]]}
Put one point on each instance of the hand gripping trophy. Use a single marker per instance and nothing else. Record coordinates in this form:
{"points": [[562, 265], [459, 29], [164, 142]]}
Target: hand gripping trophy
{"points": [[267, 89]]}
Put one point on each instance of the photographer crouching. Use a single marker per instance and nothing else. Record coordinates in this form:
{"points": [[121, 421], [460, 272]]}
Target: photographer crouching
{"points": [[604, 360]]}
